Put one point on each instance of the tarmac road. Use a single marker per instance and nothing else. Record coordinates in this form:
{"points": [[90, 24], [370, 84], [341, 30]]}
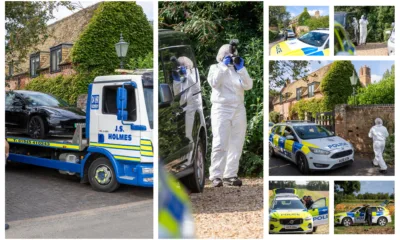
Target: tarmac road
{"points": [[361, 167], [41, 203]]}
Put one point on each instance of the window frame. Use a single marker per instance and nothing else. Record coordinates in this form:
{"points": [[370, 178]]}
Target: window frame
{"points": [[311, 93], [298, 94], [34, 55], [52, 51], [128, 88]]}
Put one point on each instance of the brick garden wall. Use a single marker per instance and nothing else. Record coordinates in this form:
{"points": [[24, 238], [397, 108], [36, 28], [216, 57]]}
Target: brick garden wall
{"points": [[354, 122]]}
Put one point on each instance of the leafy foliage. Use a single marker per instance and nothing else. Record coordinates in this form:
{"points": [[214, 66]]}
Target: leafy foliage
{"points": [[62, 86], [26, 26], [304, 17], [388, 155], [378, 93], [141, 62], [336, 84], [304, 106], [278, 16], [280, 70], [209, 25], [379, 19], [274, 117], [94, 52], [321, 22]]}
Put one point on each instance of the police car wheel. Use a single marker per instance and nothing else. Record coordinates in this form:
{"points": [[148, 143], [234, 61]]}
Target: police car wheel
{"points": [[347, 222], [382, 221], [195, 181], [314, 229], [101, 175], [302, 164]]}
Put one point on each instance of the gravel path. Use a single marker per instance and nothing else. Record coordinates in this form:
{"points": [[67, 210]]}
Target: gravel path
{"points": [[229, 212], [372, 49]]}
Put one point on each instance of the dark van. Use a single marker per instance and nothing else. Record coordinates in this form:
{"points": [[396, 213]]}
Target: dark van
{"points": [[182, 127]]}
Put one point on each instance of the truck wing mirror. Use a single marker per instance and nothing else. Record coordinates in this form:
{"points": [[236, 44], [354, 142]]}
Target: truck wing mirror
{"points": [[122, 99], [165, 94]]}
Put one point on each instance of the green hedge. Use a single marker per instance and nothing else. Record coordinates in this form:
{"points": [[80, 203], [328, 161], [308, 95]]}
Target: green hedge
{"points": [[64, 87], [272, 35], [304, 106], [94, 51]]}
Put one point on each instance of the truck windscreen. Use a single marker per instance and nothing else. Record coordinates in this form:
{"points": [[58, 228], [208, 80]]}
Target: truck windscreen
{"points": [[148, 98]]}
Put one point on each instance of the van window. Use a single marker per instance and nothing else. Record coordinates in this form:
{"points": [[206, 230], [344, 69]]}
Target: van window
{"points": [[109, 104], [179, 68]]}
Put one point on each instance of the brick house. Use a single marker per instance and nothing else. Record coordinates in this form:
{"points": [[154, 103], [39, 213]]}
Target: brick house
{"points": [[294, 91], [51, 57]]}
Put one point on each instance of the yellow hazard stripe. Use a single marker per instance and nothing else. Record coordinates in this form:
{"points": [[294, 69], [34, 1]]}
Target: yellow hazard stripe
{"points": [[146, 148], [43, 143], [146, 154], [136, 148], [145, 142], [136, 159], [169, 223]]}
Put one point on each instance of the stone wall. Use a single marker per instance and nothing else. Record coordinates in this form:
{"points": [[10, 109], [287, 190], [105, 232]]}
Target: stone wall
{"points": [[81, 102], [354, 122]]}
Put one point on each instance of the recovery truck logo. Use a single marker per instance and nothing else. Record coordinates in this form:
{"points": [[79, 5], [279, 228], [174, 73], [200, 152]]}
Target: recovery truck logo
{"points": [[94, 102]]}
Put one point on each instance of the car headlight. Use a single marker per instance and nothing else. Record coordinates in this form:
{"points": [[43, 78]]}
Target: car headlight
{"points": [[271, 219], [319, 151], [308, 218]]}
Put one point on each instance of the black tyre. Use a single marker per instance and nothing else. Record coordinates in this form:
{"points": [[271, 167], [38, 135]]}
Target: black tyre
{"points": [[382, 221], [195, 181], [302, 164], [347, 222], [37, 128], [101, 175], [314, 229], [271, 151]]}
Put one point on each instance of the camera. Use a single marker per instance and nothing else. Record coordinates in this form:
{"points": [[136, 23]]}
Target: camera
{"points": [[232, 50]]}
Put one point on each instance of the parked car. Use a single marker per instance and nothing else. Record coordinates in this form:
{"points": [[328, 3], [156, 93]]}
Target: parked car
{"points": [[39, 115], [391, 42], [380, 215], [289, 34], [289, 215], [310, 146], [313, 43], [182, 126]]}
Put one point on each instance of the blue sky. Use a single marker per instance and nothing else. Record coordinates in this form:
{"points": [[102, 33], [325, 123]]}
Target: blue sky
{"points": [[63, 12], [377, 186], [296, 10]]}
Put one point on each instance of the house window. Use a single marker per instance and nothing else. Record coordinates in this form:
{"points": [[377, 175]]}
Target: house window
{"points": [[34, 64], [55, 59], [311, 90], [298, 94]]}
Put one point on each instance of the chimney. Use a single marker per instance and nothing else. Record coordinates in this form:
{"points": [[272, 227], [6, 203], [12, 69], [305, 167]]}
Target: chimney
{"points": [[365, 75], [287, 82], [317, 14]]}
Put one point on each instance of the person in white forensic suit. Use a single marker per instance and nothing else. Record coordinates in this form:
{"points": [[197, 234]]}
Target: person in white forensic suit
{"points": [[363, 30], [379, 133], [228, 80], [355, 28]]}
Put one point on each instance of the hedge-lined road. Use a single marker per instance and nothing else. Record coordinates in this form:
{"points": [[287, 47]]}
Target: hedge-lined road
{"points": [[361, 167], [41, 203]]}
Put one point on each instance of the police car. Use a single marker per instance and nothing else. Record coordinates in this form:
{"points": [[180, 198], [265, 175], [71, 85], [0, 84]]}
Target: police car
{"points": [[380, 215], [289, 215], [310, 146], [313, 43]]}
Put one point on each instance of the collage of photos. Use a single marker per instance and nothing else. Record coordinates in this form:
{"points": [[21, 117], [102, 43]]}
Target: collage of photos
{"points": [[160, 119]]}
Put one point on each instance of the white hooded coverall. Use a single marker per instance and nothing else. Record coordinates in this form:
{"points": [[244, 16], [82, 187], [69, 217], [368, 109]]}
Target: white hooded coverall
{"points": [[379, 133], [363, 30], [228, 116]]}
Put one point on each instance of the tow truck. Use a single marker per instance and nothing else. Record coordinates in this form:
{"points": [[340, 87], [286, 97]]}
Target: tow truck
{"points": [[117, 147]]}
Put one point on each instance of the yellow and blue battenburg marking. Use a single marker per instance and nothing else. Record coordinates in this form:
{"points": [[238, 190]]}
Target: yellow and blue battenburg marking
{"points": [[284, 49], [43, 143], [145, 148], [290, 145]]}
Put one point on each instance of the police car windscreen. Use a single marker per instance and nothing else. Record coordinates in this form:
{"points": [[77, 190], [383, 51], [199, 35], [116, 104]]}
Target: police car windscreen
{"points": [[288, 204], [316, 39], [312, 132]]}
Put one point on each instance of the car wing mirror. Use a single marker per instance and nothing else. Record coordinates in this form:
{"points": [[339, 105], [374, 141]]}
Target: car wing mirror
{"points": [[122, 99], [165, 95]]}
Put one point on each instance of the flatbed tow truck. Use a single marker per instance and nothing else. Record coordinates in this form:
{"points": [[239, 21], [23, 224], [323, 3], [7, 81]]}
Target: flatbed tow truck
{"points": [[118, 147]]}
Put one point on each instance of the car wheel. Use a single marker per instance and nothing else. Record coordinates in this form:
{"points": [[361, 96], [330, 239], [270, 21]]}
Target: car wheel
{"points": [[382, 221], [195, 181], [302, 164], [347, 222], [36, 128], [101, 175], [271, 151], [314, 229]]}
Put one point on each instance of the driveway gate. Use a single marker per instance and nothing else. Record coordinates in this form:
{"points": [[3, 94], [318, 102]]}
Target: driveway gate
{"points": [[326, 119]]}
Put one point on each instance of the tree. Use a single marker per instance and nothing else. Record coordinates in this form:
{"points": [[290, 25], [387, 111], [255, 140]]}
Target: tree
{"points": [[278, 16], [336, 85], [94, 51], [279, 71], [26, 26], [347, 187], [304, 16], [314, 23]]}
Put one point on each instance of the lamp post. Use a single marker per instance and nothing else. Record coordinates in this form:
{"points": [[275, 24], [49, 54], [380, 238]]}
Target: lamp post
{"points": [[354, 81], [121, 48]]}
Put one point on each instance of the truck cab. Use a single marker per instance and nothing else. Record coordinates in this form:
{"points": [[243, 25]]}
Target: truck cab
{"points": [[119, 130], [182, 127]]}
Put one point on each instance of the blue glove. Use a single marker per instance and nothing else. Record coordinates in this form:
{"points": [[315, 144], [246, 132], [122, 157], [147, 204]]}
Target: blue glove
{"points": [[240, 65], [227, 60], [182, 70], [175, 76]]}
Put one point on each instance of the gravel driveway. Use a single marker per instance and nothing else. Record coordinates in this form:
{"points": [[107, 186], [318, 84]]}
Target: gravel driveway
{"points": [[229, 212], [372, 49]]}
